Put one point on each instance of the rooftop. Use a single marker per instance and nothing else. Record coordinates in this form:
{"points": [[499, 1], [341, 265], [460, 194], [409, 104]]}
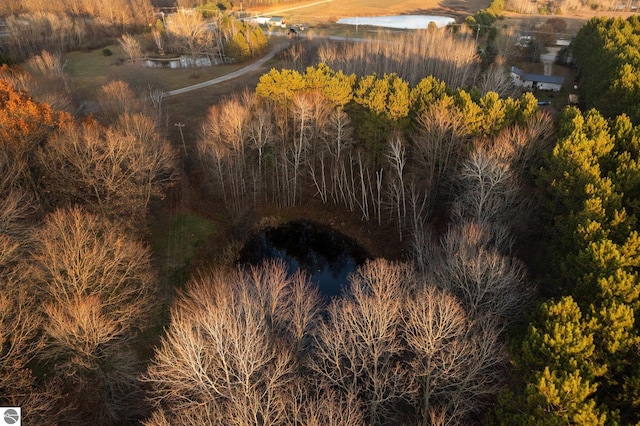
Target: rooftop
{"points": [[540, 78]]}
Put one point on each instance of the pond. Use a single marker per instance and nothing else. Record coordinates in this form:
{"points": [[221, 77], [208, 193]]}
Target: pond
{"points": [[400, 21], [326, 255]]}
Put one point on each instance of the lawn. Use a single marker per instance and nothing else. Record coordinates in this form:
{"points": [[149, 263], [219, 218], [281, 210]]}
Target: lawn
{"points": [[89, 70]]}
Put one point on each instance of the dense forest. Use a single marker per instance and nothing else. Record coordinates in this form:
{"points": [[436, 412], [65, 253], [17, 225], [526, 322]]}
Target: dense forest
{"points": [[607, 53], [517, 302]]}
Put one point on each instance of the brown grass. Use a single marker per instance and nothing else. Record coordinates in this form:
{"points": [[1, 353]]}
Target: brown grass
{"points": [[336, 9]]}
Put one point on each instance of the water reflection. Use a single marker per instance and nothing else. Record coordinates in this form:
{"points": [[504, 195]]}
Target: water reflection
{"points": [[326, 255]]}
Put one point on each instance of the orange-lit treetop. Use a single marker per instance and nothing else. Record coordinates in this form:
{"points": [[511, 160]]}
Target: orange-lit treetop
{"points": [[24, 123]]}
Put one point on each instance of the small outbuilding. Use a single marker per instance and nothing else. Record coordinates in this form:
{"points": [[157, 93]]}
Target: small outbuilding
{"points": [[532, 81]]}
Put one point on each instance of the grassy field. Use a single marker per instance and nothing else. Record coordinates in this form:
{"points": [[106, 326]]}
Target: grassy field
{"points": [[332, 10]]}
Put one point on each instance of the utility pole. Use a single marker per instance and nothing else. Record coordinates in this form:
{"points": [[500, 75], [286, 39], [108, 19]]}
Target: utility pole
{"points": [[184, 146]]}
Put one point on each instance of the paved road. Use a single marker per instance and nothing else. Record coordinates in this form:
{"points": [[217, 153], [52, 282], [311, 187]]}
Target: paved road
{"points": [[249, 68]]}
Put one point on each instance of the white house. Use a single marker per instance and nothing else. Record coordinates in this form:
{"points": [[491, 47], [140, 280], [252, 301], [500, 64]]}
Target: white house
{"points": [[260, 20], [536, 81], [277, 21]]}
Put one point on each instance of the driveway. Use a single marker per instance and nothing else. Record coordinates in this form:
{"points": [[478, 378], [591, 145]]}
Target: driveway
{"points": [[249, 68]]}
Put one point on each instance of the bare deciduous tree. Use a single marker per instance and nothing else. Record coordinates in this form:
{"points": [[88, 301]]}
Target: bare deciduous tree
{"points": [[223, 147], [48, 81], [95, 289], [338, 139], [19, 342], [116, 98], [486, 282], [398, 199], [489, 192], [357, 350], [260, 133], [524, 147], [47, 64], [16, 205], [507, 44], [297, 156], [455, 363], [156, 97], [213, 152], [318, 407], [437, 148], [497, 79], [85, 263], [131, 48], [188, 33], [223, 357], [303, 313], [113, 171]]}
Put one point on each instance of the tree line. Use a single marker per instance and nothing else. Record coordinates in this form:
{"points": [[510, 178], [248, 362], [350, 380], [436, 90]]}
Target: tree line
{"points": [[33, 26], [373, 144], [578, 360]]}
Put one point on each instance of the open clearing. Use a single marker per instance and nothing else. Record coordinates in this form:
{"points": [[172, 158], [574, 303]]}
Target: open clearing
{"points": [[330, 12]]}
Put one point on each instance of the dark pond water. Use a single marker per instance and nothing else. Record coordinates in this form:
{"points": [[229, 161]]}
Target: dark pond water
{"points": [[326, 255]]}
